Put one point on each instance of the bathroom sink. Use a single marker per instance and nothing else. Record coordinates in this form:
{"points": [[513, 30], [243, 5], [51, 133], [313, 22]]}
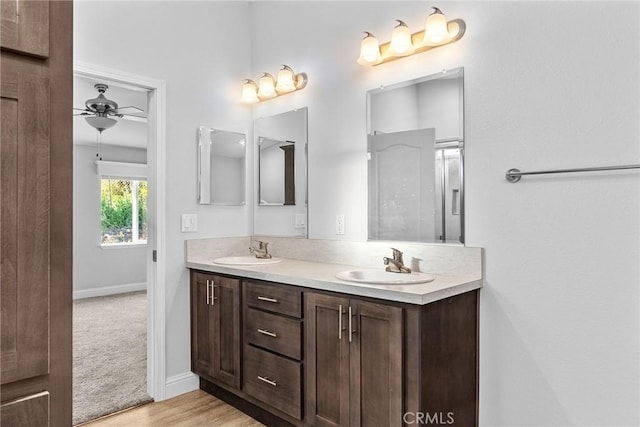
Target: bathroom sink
{"points": [[383, 277], [245, 260]]}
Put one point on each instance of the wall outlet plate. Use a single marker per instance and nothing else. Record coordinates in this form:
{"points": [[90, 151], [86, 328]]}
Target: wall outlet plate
{"points": [[340, 224]]}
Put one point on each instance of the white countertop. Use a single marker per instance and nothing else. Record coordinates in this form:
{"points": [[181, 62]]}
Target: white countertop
{"points": [[322, 276]]}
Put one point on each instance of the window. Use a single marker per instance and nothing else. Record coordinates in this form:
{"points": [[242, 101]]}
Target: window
{"points": [[123, 211], [123, 203]]}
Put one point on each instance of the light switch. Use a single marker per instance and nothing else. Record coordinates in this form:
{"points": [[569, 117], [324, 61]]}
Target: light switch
{"points": [[189, 223], [300, 220]]}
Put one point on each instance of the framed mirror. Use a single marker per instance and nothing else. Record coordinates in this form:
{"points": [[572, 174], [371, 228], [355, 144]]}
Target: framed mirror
{"points": [[221, 167], [281, 174], [415, 148]]}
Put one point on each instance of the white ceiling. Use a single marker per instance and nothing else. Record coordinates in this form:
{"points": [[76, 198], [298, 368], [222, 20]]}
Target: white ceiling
{"points": [[126, 133]]}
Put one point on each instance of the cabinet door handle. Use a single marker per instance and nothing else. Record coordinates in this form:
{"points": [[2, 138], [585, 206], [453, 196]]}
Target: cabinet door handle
{"points": [[267, 299], [265, 332], [267, 380], [213, 292], [351, 331], [340, 328], [208, 292]]}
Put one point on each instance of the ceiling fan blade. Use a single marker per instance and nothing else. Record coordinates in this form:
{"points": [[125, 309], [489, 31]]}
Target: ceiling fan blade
{"points": [[83, 114], [80, 109], [129, 109], [133, 118]]}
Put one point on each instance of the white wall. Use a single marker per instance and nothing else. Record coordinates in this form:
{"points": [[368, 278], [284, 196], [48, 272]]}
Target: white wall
{"points": [[95, 268], [547, 84], [201, 50]]}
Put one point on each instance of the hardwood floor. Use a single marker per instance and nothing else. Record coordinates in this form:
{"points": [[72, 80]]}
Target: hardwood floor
{"points": [[195, 408]]}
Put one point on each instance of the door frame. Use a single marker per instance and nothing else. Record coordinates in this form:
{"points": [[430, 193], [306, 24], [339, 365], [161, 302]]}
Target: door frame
{"points": [[156, 172]]}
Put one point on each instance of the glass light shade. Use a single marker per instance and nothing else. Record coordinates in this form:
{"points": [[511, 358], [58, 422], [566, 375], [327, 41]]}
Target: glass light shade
{"points": [[401, 44], [249, 92], [285, 82], [369, 50], [435, 28], [266, 87], [101, 123]]}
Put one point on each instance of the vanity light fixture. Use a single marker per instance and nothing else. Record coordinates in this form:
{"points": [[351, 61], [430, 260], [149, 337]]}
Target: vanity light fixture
{"points": [[268, 87], [437, 32]]}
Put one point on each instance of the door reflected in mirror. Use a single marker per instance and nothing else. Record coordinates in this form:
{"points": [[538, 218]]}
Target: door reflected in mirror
{"points": [[221, 167], [416, 160], [277, 172], [281, 171]]}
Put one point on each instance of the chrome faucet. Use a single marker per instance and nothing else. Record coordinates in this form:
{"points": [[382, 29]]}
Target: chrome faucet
{"points": [[395, 264], [260, 251]]}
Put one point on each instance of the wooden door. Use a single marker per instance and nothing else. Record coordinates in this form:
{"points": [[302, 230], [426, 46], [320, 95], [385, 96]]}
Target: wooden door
{"points": [[225, 305], [326, 360], [35, 202], [202, 325], [376, 365]]}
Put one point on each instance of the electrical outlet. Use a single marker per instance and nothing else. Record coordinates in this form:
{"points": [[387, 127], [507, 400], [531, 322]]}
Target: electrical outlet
{"points": [[189, 223], [300, 220], [339, 224]]}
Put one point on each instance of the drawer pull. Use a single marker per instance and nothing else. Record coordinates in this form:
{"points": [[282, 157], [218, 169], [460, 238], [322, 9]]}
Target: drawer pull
{"points": [[267, 299], [271, 334], [267, 380]]}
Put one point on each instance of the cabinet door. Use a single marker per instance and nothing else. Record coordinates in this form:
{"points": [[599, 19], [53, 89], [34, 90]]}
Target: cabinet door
{"points": [[28, 411], [326, 360], [24, 225], [25, 26], [225, 304], [376, 365], [202, 325]]}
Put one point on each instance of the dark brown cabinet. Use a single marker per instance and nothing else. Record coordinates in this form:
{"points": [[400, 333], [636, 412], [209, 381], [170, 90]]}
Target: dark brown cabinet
{"points": [[353, 362], [215, 327], [35, 225]]}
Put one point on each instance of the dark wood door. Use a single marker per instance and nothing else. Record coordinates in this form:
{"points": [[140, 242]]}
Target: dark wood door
{"points": [[326, 360], [215, 327], [225, 304], [202, 325], [376, 364], [25, 27]]}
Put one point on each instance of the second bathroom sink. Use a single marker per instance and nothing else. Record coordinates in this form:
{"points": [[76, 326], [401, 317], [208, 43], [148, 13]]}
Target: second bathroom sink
{"points": [[383, 277]]}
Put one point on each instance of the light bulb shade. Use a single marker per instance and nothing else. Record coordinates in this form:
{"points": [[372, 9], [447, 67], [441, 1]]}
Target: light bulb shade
{"points": [[286, 80], [435, 28], [401, 44], [249, 92], [369, 50], [101, 123], [267, 86]]}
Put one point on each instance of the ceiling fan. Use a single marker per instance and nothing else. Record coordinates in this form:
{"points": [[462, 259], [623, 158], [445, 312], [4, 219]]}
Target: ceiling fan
{"points": [[99, 112]]}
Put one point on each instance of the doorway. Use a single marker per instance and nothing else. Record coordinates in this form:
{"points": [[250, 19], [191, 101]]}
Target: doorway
{"points": [[153, 95]]}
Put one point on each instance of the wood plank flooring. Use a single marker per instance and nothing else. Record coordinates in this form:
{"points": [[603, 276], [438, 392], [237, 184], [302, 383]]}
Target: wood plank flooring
{"points": [[193, 409]]}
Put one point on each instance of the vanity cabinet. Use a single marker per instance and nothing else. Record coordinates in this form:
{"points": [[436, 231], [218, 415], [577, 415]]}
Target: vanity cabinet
{"points": [[215, 327], [353, 352], [272, 364]]}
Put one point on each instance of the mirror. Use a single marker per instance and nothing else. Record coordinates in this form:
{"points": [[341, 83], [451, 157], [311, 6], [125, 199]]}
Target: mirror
{"points": [[415, 147], [281, 162], [276, 160], [221, 167]]}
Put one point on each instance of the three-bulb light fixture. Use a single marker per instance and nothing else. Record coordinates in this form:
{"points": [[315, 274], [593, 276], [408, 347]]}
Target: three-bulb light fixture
{"points": [[269, 87], [437, 32]]}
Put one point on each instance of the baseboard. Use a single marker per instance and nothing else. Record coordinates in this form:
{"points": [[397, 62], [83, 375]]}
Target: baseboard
{"points": [[109, 290], [180, 384]]}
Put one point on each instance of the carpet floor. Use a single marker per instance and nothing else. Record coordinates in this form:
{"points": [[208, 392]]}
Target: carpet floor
{"points": [[109, 354]]}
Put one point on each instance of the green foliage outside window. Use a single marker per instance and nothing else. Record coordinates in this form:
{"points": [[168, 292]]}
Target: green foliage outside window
{"points": [[116, 199]]}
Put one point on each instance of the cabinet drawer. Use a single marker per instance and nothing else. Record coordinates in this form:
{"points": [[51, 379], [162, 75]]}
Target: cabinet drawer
{"points": [[272, 297], [273, 380], [280, 334]]}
